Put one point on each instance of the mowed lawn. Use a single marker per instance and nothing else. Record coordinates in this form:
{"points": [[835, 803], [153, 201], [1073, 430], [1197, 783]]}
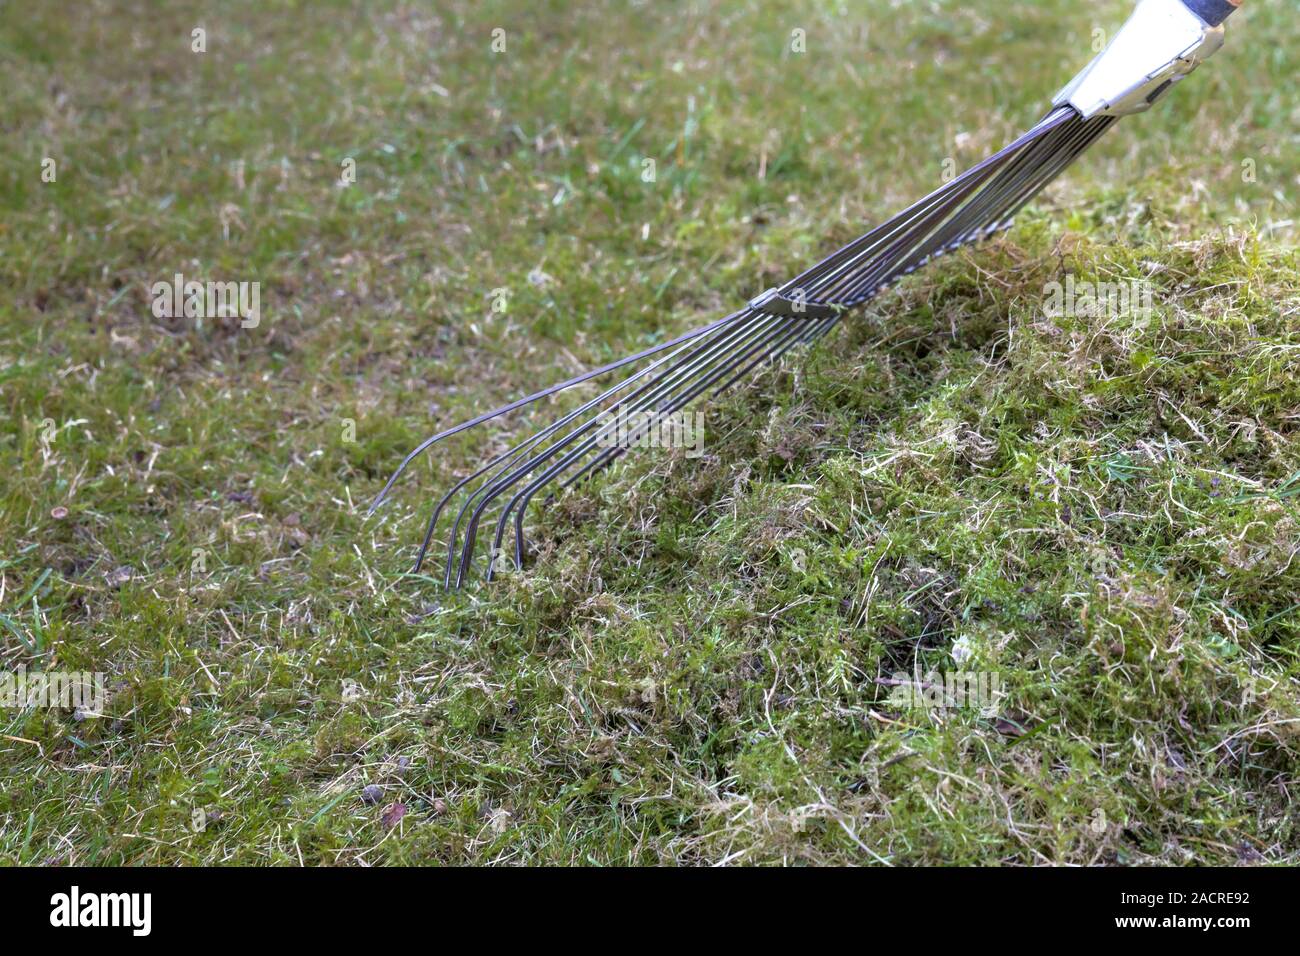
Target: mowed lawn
{"points": [[695, 668]]}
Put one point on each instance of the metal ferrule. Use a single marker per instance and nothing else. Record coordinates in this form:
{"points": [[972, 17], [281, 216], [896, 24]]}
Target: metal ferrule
{"points": [[1161, 43]]}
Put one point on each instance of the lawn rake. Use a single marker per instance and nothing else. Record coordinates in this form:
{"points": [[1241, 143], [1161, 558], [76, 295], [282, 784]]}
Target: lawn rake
{"points": [[1162, 42]]}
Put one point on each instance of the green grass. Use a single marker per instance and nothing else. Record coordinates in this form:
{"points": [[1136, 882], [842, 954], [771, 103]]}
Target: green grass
{"points": [[1104, 512]]}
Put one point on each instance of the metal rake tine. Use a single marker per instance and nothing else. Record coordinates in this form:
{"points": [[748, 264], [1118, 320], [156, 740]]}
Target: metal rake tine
{"points": [[520, 502], [1098, 128], [793, 333], [537, 396], [706, 348], [900, 234], [929, 249], [966, 221], [796, 336], [697, 365], [1052, 161], [776, 336], [885, 270], [863, 282], [777, 345], [510, 453], [835, 265], [853, 250], [540, 436], [888, 237]]}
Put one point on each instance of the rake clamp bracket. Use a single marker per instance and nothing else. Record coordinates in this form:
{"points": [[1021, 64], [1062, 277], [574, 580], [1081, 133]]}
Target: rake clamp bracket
{"points": [[772, 302]]}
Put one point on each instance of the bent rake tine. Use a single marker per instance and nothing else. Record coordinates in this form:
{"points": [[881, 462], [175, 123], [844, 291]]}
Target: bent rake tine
{"points": [[537, 396], [522, 498], [523, 446], [689, 370]]}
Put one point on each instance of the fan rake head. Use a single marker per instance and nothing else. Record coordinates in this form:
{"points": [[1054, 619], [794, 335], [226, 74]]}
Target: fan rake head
{"points": [[1162, 42], [710, 359]]}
